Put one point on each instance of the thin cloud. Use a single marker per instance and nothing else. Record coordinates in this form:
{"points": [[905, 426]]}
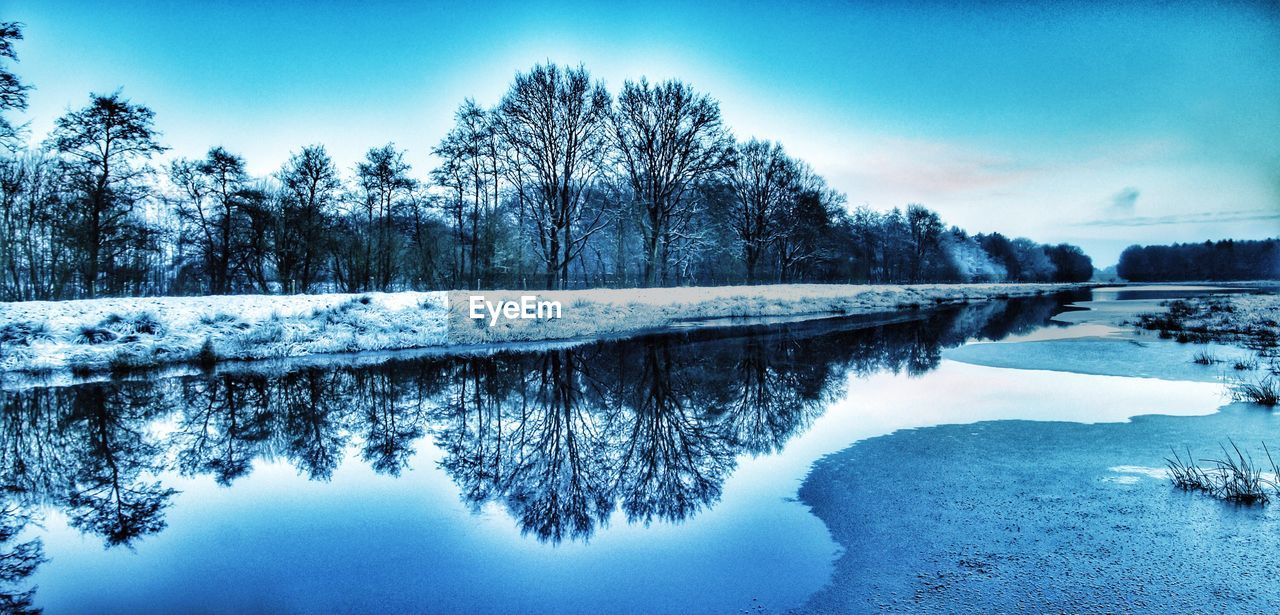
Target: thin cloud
{"points": [[1254, 215], [1124, 202], [922, 169]]}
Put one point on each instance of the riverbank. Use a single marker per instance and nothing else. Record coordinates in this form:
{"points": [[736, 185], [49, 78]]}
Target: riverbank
{"points": [[1225, 335], [123, 334], [1042, 515], [1247, 320]]}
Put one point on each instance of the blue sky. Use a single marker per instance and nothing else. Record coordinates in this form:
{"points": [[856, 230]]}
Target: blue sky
{"points": [[1097, 125]]}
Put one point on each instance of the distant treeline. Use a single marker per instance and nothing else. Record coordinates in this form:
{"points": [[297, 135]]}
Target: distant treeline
{"points": [[1211, 260], [561, 184]]}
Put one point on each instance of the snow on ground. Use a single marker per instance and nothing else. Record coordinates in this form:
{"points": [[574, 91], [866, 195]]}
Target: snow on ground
{"points": [[100, 334], [118, 334], [592, 313], [1248, 320]]}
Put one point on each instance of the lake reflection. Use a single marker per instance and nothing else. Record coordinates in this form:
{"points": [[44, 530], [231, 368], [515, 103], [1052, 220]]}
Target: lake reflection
{"points": [[559, 439]]}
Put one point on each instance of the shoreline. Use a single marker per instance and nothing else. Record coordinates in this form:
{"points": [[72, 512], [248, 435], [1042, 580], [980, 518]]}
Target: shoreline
{"points": [[1104, 517], [1107, 506], [1224, 338], [92, 336]]}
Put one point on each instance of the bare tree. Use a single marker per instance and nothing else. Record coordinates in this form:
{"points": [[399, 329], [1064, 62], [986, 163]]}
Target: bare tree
{"points": [[384, 184], [760, 179], [473, 122], [214, 209], [806, 219], [104, 147], [925, 229], [34, 260], [310, 188], [555, 121], [667, 138], [426, 241], [469, 170], [13, 93], [451, 174], [525, 187]]}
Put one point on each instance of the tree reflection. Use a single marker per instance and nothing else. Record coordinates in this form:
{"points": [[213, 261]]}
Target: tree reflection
{"points": [[469, 424], [670, 461], [315, 426], [18, 561], [391, 426], [558, 483], [33, 461], [108, 491], [770, 393], [226, 420], [650, 427]]}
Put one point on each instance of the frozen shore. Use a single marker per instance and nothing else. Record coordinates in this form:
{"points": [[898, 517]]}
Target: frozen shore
{"points": [[1247, 320], [975, 513], [1215, 337], [128, 333], [1043, 516]]}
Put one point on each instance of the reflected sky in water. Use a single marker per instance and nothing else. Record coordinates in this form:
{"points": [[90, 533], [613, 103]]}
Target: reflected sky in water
{"points": [[647, 475]]}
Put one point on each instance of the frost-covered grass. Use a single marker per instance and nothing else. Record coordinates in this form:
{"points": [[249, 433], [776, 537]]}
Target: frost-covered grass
{"points": [[1247, 319], [133, 333], [123, 334], [1264, 392], [1234, 477], [1243, 364], [609, 312]]}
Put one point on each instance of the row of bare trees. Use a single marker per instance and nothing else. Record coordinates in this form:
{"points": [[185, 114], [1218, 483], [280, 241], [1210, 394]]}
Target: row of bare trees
{"points": [[648, 188], [558, 185]]}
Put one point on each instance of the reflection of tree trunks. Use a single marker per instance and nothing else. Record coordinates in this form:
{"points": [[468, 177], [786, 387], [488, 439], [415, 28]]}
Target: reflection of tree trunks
{"points": [[226, 436], [391, 432], [776, 396], [557, 486], [34, 449], [671, 464], [313, 426], [106, 494]]}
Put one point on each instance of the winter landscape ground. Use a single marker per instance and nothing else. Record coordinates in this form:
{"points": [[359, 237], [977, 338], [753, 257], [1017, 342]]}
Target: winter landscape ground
{"points": [[130, 333], [767, 467]]}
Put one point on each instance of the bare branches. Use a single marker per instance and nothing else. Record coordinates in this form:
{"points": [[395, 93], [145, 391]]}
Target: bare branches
{"points": [[104, 149], [554, 121], [13, 92], [666, 138]]}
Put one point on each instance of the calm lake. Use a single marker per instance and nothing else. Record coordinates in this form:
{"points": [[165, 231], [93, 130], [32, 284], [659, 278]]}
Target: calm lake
{"points": [[651, 475]]}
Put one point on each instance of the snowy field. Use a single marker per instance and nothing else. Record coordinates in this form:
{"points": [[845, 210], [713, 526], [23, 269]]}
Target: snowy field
{"points": [[120, 334]]}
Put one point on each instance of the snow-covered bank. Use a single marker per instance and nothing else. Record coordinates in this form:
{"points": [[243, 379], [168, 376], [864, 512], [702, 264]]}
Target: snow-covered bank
{"points": [[102, 334], [1247, 320]]}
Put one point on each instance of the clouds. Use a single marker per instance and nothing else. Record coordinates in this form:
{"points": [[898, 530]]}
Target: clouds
{"points": [[1206, 217], [1124, 202], [1102, 192], [889, 170]]}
